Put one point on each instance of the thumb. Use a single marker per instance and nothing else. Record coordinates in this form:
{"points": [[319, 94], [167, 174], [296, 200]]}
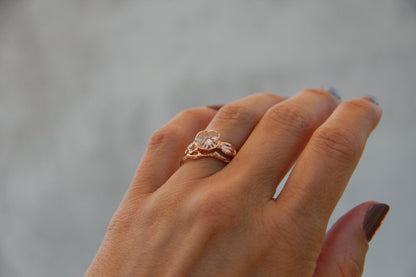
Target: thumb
{"points": [[345, 245]]}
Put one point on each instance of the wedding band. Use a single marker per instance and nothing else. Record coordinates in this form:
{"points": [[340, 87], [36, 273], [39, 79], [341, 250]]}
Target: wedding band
{"points": [[207, 144]]}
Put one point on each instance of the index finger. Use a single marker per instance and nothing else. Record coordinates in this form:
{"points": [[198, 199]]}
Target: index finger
{"points": [[324, 168]]}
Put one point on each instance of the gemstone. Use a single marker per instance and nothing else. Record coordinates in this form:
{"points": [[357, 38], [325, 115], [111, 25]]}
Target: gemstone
{"points": [[207, 140], [228, 149], [192, 147]]}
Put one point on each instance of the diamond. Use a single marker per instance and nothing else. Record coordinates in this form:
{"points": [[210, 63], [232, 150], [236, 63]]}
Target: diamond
{"points": [[192, 147], [207, 140], [228, 149]]}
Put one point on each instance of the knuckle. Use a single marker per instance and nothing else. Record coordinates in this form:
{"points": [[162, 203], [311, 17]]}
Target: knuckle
{"points": [[338, 143], [235, 112], [191, 113], [165, 136], [292, 116], [269, 95], [120, 223], [214, 209]]}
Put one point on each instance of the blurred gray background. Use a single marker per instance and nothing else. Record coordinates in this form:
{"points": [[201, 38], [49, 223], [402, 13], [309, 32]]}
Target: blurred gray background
{"points": [[83, 84]]}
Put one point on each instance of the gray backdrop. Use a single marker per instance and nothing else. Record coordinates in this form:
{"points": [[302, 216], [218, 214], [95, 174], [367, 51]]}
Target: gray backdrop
{"points": [[83, 84]]}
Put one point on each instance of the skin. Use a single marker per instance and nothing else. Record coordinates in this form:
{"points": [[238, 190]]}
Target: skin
{"points": [[206, 218]]}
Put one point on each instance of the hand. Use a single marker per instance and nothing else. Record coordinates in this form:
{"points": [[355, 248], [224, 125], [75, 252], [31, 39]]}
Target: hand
{"points": [[206, 218]]}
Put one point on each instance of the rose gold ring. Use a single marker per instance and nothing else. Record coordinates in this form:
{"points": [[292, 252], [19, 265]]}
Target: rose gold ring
{"points": [[207, 144]]}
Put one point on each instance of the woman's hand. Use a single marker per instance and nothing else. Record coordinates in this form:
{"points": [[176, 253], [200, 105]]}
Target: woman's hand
{"points": [[206, 218]]}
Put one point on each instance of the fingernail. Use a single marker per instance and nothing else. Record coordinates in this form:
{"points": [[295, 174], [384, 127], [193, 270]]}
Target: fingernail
{"points": [[372, 99], [215, 107], [333, 91], [373, 219]]}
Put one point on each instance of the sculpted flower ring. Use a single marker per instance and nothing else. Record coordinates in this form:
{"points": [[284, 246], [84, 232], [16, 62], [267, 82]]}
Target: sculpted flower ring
{"points": [[207, 144]]}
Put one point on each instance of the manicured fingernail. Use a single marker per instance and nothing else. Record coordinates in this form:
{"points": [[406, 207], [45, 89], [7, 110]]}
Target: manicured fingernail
{"points": [[372, 99], [215, 107], [373, 219], [333, 91]]}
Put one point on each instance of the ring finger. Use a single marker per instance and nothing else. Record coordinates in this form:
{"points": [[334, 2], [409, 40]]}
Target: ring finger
{"points": [[234, 122]]}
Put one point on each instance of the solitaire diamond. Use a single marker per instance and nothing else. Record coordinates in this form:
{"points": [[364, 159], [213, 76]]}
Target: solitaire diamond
{"points": [[207, 140]]}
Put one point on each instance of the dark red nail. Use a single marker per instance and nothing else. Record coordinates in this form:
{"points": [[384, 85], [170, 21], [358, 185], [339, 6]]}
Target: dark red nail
{"points": [[215, 107], [374, 218]]}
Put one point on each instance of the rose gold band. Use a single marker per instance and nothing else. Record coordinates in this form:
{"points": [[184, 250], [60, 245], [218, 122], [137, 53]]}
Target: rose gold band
{"points": [[207, 144], [200, 155]]}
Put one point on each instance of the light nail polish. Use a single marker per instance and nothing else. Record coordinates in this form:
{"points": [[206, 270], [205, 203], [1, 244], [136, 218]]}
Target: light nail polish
{"points": [[333, 91], [372, 99]]}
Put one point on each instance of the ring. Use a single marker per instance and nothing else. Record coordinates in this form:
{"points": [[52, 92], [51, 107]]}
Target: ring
{"points": [[207, 144]]}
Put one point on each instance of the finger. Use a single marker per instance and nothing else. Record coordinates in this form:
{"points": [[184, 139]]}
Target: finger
{"points": [[345, 246], [166, 148], [234, 122], [278, 139], [323, 170]]}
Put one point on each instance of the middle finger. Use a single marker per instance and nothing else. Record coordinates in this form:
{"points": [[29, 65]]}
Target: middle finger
{"points": [[234, 122], [278, 139]]}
